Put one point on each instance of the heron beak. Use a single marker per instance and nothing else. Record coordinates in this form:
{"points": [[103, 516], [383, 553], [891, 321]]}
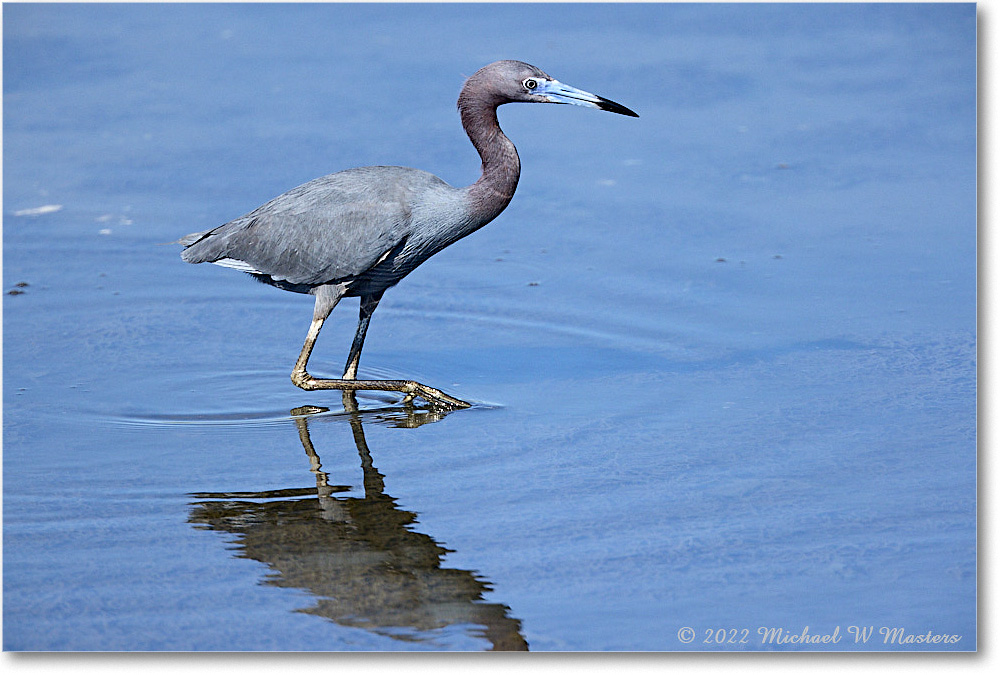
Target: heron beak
{"points": [[555, 91]]}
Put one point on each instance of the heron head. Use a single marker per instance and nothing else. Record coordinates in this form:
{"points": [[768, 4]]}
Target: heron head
{"points": [[516, 81]]}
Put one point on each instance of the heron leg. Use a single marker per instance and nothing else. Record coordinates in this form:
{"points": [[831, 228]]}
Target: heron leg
{"points": [[368, 305], [327, 298]]}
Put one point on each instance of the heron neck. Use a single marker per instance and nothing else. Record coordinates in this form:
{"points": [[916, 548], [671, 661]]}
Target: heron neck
{"points": [[501, 166]]}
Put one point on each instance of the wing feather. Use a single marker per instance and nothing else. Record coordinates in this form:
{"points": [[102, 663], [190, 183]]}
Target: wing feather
{"points": [[329, 229]]}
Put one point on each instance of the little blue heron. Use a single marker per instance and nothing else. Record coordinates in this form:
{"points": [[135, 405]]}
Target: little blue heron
{"points": [[357, 233]]}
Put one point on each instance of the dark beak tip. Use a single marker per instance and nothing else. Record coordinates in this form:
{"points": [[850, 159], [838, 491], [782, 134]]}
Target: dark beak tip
{"points": [[622, 110], [611, 106]]}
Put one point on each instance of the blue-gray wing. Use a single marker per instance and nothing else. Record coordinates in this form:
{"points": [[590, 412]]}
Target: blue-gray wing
{"points": [[329, 229]]}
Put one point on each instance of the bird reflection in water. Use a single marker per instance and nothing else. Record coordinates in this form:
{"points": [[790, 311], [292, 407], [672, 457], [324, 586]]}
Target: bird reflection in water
{"points": [[358, 555]]}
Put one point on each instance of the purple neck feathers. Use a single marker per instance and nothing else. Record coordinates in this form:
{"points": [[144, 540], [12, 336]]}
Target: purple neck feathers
{"points": [[490, 194]]}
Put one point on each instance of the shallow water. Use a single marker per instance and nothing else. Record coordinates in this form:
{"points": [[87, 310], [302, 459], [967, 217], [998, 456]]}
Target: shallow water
{"points": [[723, 357]]}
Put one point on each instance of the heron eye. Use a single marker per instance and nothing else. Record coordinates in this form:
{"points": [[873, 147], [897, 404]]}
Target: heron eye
{"points": [[530, 83]]}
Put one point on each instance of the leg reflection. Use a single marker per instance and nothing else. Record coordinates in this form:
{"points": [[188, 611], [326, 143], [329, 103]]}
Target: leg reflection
{"points": [[358, 555]]}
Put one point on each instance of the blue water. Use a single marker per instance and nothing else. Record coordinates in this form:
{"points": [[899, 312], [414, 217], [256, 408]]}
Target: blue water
{"points": [[723, 356]]}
